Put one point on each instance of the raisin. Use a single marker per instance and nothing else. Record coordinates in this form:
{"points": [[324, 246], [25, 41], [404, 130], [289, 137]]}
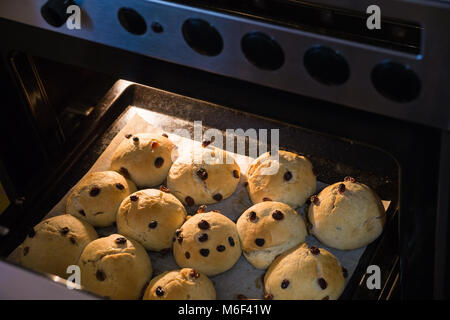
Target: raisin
{"points": [[134, 198], [315, 200], [164, 189], [159, 162], [128, 136], [322, 283], [284, 284], [278, 215], [314, 250], [236, 174], [194, 274], [217, 197], [64, 231], [260, 242], [100, 275], [153, 224], [341, 188], [72, 240], [204, 252], [252, 216], [202, 174], [207, 142], [268, 296], [221, 248], [120, 240], [287, 176], [155, 144], [94, 191], [187, 255], [82, 213], [204, 225], [203, 237], [120, 186], [135, 139], [231, 241], [159, 291], [349, 179], [267, 199], [165, 135]]}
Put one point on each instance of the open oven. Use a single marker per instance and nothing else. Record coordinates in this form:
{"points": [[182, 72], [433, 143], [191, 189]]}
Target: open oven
{"points": [[361, 102]]}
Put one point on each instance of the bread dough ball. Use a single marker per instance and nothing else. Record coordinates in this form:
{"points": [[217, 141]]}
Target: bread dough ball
{"points": [[116, 267], [207, 242], [210, 180], [346, 215], [303, 273], [184, 284], [144, 158], [268, 229], [55, 243], [97, 197], [289, 180], [151, 217]]}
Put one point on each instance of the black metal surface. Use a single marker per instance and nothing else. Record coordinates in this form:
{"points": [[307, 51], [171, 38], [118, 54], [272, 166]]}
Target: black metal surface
{"points": [[332, 21]]}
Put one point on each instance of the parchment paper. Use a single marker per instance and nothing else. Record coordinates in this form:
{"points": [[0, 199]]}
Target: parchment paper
{"points": [[243, 278]]}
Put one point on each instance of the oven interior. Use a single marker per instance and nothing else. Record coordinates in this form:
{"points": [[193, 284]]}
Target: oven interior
{"points": [[73, 113]]}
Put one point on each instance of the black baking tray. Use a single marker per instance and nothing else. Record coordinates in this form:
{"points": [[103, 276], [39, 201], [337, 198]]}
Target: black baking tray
{"points": [[333, 158]]}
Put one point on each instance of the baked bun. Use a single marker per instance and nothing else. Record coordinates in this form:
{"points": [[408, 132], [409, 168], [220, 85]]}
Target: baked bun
{"points": [[115, 267], [268, 229], [304, 273], [144, 158], [346, 215], [56, 243], [207, 242], [97, 197], [289, 180], [210, 180], [184, 284], [151, 217]]}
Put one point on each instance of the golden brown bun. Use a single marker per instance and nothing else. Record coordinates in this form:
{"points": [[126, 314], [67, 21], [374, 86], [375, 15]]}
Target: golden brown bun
{"points": [[347, 220], [97, 197], [145, 158], [184, 284], [55, 244], [115, 267], [293, 183], [268, 229], [207, 242], [299, 274], [206, 182], [151, 219]]}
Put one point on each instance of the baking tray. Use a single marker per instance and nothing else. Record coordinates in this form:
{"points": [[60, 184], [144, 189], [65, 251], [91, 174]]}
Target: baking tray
{"points": [[146, 109]]}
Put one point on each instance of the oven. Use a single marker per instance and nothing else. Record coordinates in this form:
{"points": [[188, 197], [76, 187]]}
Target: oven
{"points": [[355, 99]]}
